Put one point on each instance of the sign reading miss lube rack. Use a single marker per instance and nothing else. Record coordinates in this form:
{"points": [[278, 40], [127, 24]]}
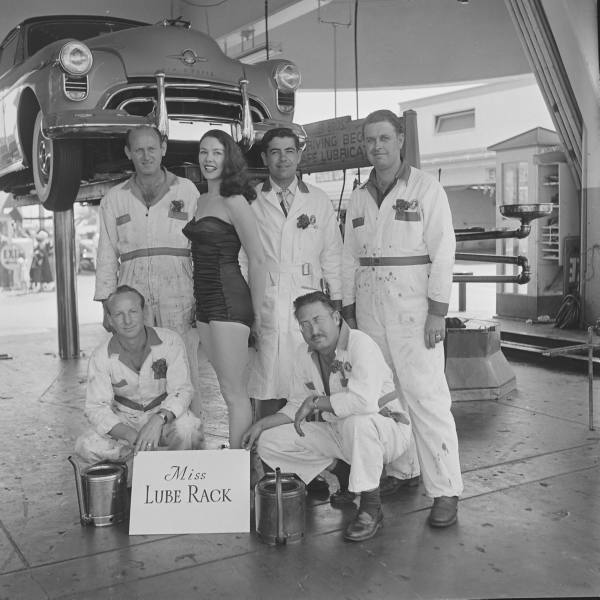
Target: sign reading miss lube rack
{"points": [[194, 491]]}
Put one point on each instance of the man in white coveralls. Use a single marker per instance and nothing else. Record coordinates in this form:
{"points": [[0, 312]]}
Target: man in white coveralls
{"points": [[138, 390], [340, 374], [398, 258]]}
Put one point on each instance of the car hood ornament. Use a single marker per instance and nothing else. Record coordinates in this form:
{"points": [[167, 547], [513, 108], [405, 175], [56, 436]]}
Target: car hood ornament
{"points": [[188, 57]]}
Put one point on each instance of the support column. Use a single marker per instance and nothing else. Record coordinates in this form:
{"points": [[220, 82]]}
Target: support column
{"points": [[66, 284]]}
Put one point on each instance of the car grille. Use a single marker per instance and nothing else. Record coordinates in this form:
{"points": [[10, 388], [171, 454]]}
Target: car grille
{"points": [[186, 100]]}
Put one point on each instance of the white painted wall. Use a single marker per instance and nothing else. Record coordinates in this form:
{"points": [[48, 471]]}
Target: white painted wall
{"points": [[502, 110]]}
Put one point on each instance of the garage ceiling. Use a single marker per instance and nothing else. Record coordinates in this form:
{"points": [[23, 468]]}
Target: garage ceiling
{"points": [[401, 43]]}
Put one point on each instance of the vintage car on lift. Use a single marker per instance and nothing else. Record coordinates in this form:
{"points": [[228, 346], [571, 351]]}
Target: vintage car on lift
{"points": [[71, 87]]}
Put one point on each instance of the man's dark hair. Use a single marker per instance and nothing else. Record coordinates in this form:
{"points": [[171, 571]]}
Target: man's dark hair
{"points": [[279, 132], [148, 127], [124, 289], [378, 116], [312, 298]]}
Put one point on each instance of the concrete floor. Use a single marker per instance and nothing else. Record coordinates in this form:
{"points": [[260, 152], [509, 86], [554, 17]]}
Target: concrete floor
{"points": [[529, 519]]}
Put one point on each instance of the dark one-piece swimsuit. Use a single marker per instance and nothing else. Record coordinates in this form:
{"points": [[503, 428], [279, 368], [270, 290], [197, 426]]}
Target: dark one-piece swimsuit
{"points": [[221, 291]]}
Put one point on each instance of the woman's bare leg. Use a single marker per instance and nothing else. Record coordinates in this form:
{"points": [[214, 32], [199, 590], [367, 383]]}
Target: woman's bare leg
{"points": [[226, 346]]}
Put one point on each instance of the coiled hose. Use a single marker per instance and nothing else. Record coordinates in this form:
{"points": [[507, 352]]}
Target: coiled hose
{"points": [[567, 316]]}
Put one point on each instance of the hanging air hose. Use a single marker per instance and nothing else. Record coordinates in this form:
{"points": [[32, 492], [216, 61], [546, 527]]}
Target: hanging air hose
{"points": [[567, 316]]}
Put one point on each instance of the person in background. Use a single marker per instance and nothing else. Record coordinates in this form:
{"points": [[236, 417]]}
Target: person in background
{"points": [[340, 374], [399, 251], [141, 243], [138, 390], [225, 303]]}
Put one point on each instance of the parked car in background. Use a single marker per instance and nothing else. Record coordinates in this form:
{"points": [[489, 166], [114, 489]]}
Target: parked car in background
{"points": [[71, 86]]}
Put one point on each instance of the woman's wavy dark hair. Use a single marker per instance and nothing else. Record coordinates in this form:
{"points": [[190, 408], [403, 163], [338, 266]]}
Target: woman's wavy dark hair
{"points": [[234, 178]]}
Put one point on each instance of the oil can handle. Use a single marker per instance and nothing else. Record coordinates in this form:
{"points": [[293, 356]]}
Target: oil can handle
{"points": [[81, 501], [280, 539]]}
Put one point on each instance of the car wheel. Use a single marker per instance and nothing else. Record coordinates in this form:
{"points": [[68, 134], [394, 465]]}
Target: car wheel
{"points": [[57, 167]]}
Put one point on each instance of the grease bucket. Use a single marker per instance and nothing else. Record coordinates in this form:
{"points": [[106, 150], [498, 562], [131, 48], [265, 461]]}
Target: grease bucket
{"points": [[280, 508], [101, 493]]}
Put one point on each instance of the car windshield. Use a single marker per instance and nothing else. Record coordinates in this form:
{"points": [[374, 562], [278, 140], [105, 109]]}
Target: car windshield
{"points": [[42, 34]]}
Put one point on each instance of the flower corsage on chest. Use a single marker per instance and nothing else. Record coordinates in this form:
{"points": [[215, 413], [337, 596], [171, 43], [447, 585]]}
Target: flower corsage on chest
{"points": [[407, 210], [159, 367], [176, 210], [343, 368], [304, 222]]}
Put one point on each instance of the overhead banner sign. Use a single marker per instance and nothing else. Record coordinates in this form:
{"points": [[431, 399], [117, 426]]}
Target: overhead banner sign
{"points": [[334, 144], [192, 491]]}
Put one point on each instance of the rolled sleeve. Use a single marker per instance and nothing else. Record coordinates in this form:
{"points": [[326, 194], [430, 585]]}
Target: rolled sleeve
{"points": [[99, 394]]}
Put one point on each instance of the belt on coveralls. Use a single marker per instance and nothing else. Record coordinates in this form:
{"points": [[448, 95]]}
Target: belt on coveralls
{"points": [[137, 406], [295, 269], [393, 261], [160, 251]]}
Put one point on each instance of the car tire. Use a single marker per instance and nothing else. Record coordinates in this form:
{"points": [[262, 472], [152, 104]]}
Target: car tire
{"points": [[57, 166]]}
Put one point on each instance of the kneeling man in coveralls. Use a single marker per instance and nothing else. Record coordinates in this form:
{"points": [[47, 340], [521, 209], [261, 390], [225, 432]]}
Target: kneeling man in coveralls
{"points": [[340, 379], [138, 390]]}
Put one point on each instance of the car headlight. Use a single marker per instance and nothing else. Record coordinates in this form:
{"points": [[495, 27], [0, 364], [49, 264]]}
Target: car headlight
{"points": [[287, 77], [76, 59]]}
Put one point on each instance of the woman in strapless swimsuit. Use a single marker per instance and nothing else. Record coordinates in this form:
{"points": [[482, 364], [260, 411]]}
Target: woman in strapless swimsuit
{"points": [[223, 223]]}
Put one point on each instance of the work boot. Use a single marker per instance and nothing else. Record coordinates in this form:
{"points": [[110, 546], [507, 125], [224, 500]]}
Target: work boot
{"points": [[368, 519], [444, 511], [364, 526], [389, 485]]}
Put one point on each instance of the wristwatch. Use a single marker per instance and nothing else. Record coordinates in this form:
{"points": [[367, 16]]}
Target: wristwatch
{"points": [[163, 415]]}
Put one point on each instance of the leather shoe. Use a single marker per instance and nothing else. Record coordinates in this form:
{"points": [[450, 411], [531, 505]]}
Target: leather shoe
{"points": [[364, 527], [318, 485], [342, 498], [390, 485], [444, 511]]}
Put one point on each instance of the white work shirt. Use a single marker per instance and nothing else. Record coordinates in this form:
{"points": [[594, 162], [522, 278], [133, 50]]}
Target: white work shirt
{"points": [[355, 388], [110, 373]]}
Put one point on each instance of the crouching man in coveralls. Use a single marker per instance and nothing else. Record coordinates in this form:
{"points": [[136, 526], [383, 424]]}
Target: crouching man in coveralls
{"points": [[138, 390], [343, 378], [397, 266]]}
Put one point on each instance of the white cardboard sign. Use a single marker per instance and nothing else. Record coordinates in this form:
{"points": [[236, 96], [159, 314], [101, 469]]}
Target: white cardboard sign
{"points": [[192, 491]]}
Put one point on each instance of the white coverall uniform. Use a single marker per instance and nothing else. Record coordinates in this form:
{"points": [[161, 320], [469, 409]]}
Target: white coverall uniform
{"points": [[355, 432], [118, 393], [397, 266], [297, 262], [143, 247]]}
